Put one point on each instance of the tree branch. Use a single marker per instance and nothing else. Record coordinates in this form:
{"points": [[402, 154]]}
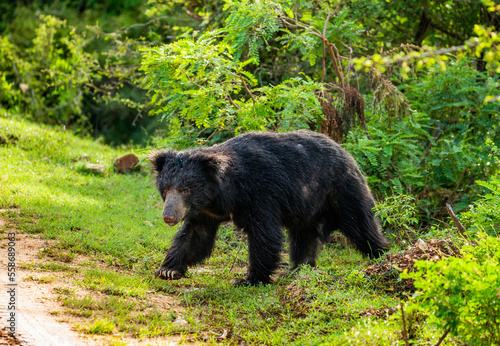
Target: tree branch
{"points": [[334, 60], [232, 102], [443, 336], [136, 25], [246, 88]]}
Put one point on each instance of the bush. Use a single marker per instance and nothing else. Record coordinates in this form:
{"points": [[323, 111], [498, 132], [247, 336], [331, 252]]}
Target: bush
{"points": [[485, 214], [398, 214], [47, 82], [462, 294]]}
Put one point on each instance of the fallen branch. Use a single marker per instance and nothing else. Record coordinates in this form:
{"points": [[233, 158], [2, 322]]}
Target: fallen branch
{"points": [[457, 223]]}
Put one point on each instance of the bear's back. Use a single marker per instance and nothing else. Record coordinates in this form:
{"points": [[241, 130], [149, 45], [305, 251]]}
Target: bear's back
{"points": [[307, 149]]}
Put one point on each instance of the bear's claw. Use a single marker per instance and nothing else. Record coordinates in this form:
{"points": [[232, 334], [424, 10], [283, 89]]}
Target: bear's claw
{"points": [[168, 274], [240, 282]]}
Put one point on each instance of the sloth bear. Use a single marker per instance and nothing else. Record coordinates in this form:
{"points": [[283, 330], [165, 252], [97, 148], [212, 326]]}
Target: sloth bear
{"points": [[302, 181]]}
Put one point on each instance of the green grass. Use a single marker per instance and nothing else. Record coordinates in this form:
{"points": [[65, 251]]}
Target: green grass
{"points": [[114, 220]]}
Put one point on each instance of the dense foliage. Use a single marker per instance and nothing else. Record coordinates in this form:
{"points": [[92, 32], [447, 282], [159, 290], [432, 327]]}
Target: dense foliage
{"points": [[461, 294], [47, 81], [484, 215], [445, 142]]}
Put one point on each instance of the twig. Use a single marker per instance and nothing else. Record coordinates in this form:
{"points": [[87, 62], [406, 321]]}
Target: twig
{"points": [[141, 24], [298, 24], [246, 88], [457, 222], [334, 60], [405, 333], [434, 52], [232, 102], [213, 133], [338, 56], [323, 70], [443, 336], [337, 8]]}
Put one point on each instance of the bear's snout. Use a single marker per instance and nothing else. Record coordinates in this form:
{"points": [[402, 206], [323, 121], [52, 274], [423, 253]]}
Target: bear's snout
{"points": [[174, 209], [169, 220]]}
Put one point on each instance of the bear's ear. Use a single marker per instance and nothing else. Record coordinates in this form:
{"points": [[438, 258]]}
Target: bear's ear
{"points": [[158, 159], [215, 165]]}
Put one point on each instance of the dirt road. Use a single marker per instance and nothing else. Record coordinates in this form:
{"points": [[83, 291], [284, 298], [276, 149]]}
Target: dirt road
{"points": [[30, 302]]}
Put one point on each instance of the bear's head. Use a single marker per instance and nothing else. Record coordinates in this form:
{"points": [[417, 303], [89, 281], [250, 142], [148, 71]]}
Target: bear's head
{"points": [[188, 181]]}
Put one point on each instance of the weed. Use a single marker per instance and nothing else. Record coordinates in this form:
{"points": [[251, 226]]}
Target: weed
{"points": [[101, 327], [46, 279], [57, 254], [64, 291]]}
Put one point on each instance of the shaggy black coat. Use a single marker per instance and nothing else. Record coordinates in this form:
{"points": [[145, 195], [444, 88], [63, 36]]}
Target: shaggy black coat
{"points": [[264, 182]]}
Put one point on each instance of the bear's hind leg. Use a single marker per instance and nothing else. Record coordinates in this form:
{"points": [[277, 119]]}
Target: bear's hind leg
{"points": [[192, 244], [358, 222], [304, 245], [264, 246]]}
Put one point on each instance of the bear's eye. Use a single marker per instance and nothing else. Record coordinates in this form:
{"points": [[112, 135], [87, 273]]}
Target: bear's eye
{"points": [[185, 190]]}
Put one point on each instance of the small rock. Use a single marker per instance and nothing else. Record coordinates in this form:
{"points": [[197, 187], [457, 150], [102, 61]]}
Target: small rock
{"points": [[148, 223], [421, 245], [95, 168], [126, 163]]}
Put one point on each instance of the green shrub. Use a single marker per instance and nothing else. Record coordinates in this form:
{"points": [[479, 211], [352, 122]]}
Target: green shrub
{"points": [[485, 214], [398, 214], [462, 294], [47, 81]]}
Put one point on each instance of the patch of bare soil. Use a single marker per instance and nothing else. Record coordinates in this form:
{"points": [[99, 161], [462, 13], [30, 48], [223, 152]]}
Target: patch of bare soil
{"points": [[40, 318], [387, 271]]}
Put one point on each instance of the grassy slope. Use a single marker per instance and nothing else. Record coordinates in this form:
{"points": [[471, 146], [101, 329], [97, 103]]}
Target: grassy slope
{"points": [[117, 218]]}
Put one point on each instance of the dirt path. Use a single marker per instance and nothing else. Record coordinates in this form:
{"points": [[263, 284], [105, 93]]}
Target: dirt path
{"points": [[39, 318], [34, 324]]}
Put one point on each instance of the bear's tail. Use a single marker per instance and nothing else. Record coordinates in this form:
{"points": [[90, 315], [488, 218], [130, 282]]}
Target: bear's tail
{"points": [[357, 220]]}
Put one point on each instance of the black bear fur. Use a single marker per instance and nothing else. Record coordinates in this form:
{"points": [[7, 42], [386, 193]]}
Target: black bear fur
{"points": [[302, 181]]}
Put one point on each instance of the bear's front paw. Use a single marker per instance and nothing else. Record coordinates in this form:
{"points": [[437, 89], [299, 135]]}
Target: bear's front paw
{"points": [[168, 274], [240, 282]]}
